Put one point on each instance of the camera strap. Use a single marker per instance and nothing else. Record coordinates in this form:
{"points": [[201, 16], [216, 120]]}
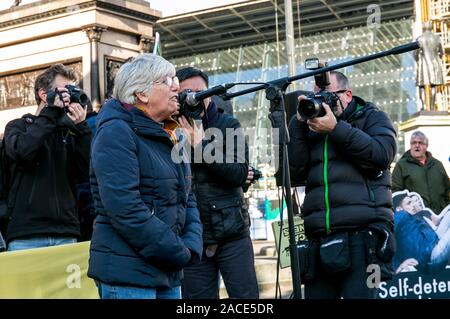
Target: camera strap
{"points": [[52, 95], [342, 107]]}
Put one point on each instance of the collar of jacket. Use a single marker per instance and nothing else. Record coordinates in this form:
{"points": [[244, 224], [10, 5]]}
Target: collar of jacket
{"points": [[407, 155], [356, 109], [348, 112], [135, 118]]}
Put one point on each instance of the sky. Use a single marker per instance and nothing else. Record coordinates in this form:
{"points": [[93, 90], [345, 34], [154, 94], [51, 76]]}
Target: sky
{"points": [[168, 7]]}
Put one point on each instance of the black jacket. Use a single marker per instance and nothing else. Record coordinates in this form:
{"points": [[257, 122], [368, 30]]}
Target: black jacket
{"points": [[218, 186], [347, 171], [52, 159]]}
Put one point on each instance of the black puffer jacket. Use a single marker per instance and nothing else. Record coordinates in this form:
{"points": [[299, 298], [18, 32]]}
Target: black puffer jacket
{"points": [[146, 220], [52, 159], [218, 186], [347, 171]]}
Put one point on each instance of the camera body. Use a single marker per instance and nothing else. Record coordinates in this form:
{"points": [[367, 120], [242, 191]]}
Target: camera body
{"points": [[257, 174], [76, 95], [189, 111], [312, 106]]}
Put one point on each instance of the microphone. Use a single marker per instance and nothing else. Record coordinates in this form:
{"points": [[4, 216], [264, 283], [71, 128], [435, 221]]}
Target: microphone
{"points": [[193, 98]]}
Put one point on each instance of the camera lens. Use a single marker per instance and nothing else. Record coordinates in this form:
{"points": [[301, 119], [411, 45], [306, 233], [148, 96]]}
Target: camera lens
{"points": [[83, 99], [309, 108], [190, 111]]}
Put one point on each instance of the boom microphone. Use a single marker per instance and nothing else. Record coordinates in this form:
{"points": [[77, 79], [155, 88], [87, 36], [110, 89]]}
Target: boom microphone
{"points": [[193, 98]]}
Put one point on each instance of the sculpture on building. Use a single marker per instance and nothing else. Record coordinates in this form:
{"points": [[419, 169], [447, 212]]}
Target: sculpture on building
{"points": [[429, 65], [112, 66], [27, 90], [16, 3], [3, 94]]}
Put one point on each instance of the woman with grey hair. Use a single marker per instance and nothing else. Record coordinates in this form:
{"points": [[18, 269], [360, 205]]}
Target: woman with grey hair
{"points": [[147, 226]]}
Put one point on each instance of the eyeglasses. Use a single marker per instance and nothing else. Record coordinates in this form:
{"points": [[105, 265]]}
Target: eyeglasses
{"points": [[418, 142], [339, 92], [170, 81]]}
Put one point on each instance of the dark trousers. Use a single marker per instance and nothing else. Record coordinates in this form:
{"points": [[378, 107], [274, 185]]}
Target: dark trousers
{"points": [[350, 285], [235, 261]]}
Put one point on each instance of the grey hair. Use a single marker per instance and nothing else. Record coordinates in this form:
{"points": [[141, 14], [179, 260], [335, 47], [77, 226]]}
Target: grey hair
{"points": [[342, 80], [421, 135], [138, 75]]}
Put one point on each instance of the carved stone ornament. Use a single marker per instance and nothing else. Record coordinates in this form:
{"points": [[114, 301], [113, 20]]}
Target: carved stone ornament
{"points": [[94, 33]]}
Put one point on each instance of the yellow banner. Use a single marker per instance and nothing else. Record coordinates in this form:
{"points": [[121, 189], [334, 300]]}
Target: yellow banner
{"points": [[58, 272]]}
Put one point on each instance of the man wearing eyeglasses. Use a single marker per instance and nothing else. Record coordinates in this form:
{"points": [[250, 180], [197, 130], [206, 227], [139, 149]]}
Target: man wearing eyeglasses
{"points": [[344, 158], [418, 171]]}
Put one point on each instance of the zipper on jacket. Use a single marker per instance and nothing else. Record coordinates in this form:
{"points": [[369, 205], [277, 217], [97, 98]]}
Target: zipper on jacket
{"points": [[325, 181]]}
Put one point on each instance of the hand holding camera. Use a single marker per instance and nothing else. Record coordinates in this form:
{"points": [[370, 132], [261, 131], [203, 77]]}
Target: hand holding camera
{"points": [[70, 98], [76, 113], [322, 124], [60, 97], [253, 175]]}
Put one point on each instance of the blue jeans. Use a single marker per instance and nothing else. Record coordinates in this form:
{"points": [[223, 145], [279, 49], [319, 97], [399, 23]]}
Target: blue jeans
{"points": [[39, 241], [123, 292]]}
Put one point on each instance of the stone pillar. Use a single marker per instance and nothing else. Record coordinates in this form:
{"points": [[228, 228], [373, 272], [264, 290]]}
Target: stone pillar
{"points": [[94, 33]]}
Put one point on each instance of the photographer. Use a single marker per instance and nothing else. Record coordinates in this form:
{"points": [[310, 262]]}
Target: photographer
{"points": [[344, 157], [219, 191], [49, 155]]}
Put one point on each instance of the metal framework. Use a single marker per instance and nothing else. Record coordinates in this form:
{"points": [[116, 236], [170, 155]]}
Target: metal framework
{"points": [[252, 22]]}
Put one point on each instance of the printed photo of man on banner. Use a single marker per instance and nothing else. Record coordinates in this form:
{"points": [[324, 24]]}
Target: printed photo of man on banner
{"points": [[421, 262]]}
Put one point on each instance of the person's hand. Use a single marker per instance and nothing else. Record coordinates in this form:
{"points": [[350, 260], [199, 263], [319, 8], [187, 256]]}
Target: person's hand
{"points": [[410, 262], [249, 176], [324, 124], [76, 113], [65, 98], [194, 134]]}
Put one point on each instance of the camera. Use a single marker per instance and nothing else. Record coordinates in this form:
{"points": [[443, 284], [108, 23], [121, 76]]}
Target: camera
{"points": [[312, 106], [189, 111], [257, 174], [76, 95]]}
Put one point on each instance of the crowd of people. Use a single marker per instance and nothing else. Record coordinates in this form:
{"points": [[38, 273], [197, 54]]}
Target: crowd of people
{"points": [[161, 228]]}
